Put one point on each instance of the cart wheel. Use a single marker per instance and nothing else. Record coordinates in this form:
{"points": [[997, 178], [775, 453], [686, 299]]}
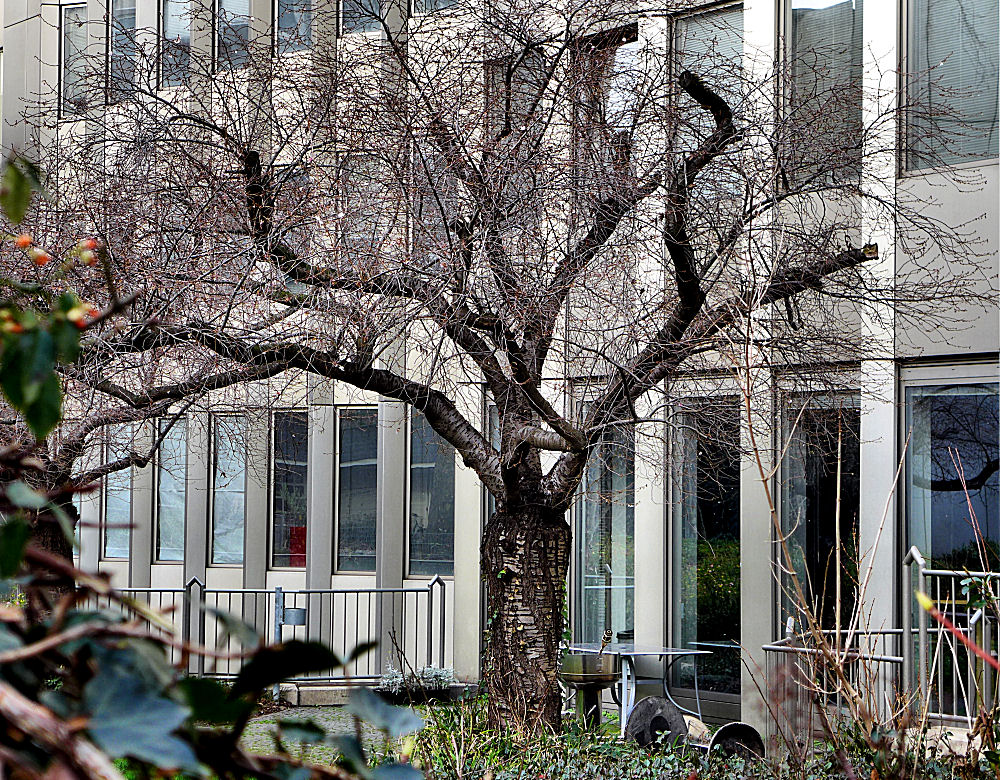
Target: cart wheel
{"points": [[654, 716], [737, 739]]}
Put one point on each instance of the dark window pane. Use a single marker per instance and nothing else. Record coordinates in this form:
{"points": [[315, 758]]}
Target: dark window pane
{"points": [[123, 52], [823, 447], [289, 502], [294, 24], [117, 497], [707, 561], [228, 489], [357, 490], [432, 500], [232, 41], [74, 44], [954, 434], [171, 492], [361, 15]]}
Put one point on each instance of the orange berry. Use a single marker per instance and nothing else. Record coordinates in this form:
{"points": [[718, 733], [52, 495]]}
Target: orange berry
{"points": [[39, 256], [23, 241], [13, 327], [87, 244], [93, 311], [88, 257]]}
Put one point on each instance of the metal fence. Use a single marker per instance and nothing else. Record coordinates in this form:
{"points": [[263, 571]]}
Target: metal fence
{"points": [[952, 682], [407, 623]]}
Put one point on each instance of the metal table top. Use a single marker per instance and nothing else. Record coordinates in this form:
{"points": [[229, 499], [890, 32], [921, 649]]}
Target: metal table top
{"points": [[631, 649]]}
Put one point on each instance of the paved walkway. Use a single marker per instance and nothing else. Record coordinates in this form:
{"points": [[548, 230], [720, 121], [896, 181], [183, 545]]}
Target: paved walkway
{"points": [[259, 734]]}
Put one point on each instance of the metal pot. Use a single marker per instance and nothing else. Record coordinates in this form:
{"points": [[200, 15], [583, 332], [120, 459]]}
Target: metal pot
{"points": [[580, 670]]}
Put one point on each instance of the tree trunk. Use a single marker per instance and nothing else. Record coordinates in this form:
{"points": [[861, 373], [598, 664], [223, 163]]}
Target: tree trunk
{"points": [[525, 560]]}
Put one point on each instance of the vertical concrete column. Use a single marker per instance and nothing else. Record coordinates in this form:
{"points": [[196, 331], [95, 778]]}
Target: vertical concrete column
{"points": [[758, 593], [197, 496], [256, 503], [390, 523], [321, 487], [466, 633], [141, 511]]}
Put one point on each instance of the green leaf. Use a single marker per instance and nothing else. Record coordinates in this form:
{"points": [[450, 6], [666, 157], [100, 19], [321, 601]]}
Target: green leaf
{"points": [[127, 718], [13, 369], [15, 192], [23, 496], [305, 731], [45, 411], [66, 337], [275, 663], [352, 752], [14, 535], [233, 626], [209, 701], [397, 772], [395, 721], [360, 650]]}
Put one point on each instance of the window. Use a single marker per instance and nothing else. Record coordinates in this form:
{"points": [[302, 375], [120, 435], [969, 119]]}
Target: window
{"points": [[825, 70], [952, 57], [606, 539], [171, 490], [229, 463], [289, 496], [820, 522], [432, 500], [357, 489], [953, 435], [430, 6], [117, 497], [122, 50], [361, 16], [710, 43], [232, 38], [175, 52], [706, 564], [294, 24], [73, 70]]}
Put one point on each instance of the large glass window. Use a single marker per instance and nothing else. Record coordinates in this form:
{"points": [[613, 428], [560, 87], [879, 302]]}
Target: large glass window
{"points": [[294, 24], [819, 506], [73, 67], [229, 465], [432, 500], [952, 60], [232, 33], [954, 438], [123, 52], [361, 16], [289, 488], [117, 497], [175, 52], [825, 68], [706, 564], [171, 490], [710, 43], [606, 539], [357, 489]]}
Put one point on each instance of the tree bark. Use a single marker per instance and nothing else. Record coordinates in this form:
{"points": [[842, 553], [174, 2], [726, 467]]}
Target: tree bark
{"points": [[525, 560]]}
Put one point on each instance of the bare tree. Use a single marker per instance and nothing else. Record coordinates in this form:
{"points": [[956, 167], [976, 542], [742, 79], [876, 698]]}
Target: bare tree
{"points": [[547, 203]]}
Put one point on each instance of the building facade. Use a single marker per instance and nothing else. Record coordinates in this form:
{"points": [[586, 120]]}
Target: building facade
{"points": [[320, 487]]}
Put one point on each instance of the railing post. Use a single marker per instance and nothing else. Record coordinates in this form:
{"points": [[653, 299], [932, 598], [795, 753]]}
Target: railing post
{"points": [[279, 618], [430, 621], [443, 621], [194, 621]]}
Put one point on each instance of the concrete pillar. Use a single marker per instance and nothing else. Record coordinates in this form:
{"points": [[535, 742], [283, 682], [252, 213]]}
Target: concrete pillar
{"points": [[197, 496], [143, 486], [256, 528], [321, 487], [390, 523], [467, 602]]}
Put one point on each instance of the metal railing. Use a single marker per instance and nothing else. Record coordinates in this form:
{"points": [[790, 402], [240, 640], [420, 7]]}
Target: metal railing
{"points": [[952, 683], [409, 624], [801, 679]]}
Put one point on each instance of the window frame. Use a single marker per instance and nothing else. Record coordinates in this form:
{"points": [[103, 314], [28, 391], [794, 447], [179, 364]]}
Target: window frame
{"points": [[102, 552], [155, 556], [217, 65], [110, 98], [951, 373], [276, 46], [271, 465], [62, 112], [213, 462], [373, 32], [338, 483], [161, 37], [407, 574]]}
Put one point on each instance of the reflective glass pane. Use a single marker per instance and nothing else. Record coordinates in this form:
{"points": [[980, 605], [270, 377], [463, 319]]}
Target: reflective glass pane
{"points": [[74, 44], [176, 42], [954, 439], [171, 492], [294, 24], [707, 560], [357, 490], [822, 451], [228, 489], [361, 16], [432, 500], [117, 497], [606, 540], [289, 502], [232, 41], [123, 50]]}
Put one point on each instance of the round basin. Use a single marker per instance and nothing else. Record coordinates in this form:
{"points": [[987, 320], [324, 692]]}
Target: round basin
{"points": [[585, 670]]}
